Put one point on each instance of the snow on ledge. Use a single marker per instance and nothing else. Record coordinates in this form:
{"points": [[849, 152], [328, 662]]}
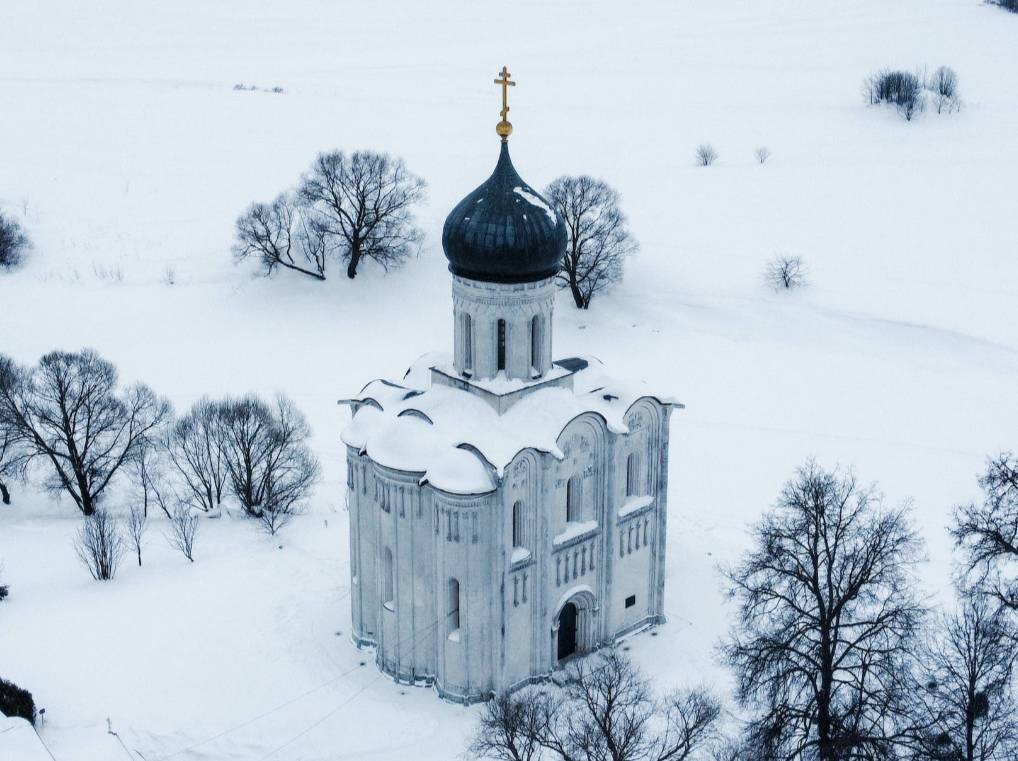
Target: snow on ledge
{"points": [[519, 555], [454, 635], [634, 505], [575, 530]]}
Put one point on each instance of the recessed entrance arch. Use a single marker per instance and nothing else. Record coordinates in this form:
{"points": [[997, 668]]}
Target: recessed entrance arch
{"points": [[573, 629]]}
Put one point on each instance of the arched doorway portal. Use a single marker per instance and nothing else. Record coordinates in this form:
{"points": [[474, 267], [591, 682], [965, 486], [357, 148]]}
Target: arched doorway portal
{"points": [[567, 631]]}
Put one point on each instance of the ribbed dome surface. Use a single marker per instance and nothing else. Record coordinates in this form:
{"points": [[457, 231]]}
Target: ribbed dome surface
{"points": [[504, 231]]}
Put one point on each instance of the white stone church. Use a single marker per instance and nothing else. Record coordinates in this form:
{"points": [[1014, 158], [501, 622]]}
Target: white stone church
{"points": [[507, 510]]}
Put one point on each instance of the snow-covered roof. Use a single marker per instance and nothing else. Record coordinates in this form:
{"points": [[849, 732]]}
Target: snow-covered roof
{"points": [[458, 442]]}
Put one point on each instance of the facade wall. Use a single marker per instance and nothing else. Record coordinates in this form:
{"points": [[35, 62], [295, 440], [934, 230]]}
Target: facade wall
{"points": [[517, 304], [509, 598]]}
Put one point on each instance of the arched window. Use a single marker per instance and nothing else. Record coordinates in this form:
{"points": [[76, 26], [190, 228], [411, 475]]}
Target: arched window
{"points": [[535, 343], [573, 497], [452, 613], [388, 591], [518, 524], [468, 343], [501, 344], [633, 475]]}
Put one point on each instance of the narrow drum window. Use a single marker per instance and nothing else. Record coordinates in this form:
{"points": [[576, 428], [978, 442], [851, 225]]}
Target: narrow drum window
{"points": [[633, 475], [468, 343], [501, 344], [573, 499], [518, 524], [388, 594], [535, 343], [453, 611]]}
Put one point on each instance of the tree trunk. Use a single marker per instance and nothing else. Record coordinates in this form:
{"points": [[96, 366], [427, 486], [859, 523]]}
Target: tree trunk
{"points": [[87, 504], [4, 494], [577, 295], [355, 258]]}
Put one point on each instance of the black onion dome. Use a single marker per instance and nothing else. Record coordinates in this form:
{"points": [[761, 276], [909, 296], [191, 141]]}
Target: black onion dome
{"points": [[504, 232]]}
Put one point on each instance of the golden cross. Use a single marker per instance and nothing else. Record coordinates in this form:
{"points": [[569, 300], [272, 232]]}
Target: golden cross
{"points": [[506, 84]]}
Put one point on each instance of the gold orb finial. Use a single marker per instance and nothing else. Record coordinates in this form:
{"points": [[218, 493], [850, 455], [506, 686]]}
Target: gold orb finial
{"points": [[504, 128]]}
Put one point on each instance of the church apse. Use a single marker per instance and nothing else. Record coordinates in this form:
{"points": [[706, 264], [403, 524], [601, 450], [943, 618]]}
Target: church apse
{"points": [[507, 510]]}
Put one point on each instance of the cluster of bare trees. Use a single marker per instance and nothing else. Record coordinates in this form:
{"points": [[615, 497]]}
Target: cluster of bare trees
{"points": [[347, 207], [907, 91], [70, 421], [835, 654], [605, 709]]}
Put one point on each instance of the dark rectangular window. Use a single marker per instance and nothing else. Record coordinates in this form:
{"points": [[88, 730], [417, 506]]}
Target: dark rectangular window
{"points": [[501, 344], [630, 601]]}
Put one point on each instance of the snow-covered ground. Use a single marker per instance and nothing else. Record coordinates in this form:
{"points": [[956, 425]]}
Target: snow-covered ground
{"points": [[127, 152]]}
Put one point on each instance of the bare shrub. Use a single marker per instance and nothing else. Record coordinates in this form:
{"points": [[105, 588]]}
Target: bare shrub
{"points": [[762, 154], [108, 273], [785, 273], [184, 531], [13, 242], [270, 466], [598, 241], [69, 412], [1007, 5], [282, 234], [605, 710], [364, 203], [944, 86], [901, 89], [100, 544], [137, 523], [706, 154]]}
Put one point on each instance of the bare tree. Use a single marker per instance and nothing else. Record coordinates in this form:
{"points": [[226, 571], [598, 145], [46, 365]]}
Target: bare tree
{"points": [[365, 202], [100, 544], [270, 466], [195, 447], [282, 234], [598, 238], [785, 272], [762, 154], [137, 523], [967, 680], [146, 466], [13, 242], [70, 413], [827, 617], [706, 154], [987, 533], [604, 711], [184, 530], [12, 454]]}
